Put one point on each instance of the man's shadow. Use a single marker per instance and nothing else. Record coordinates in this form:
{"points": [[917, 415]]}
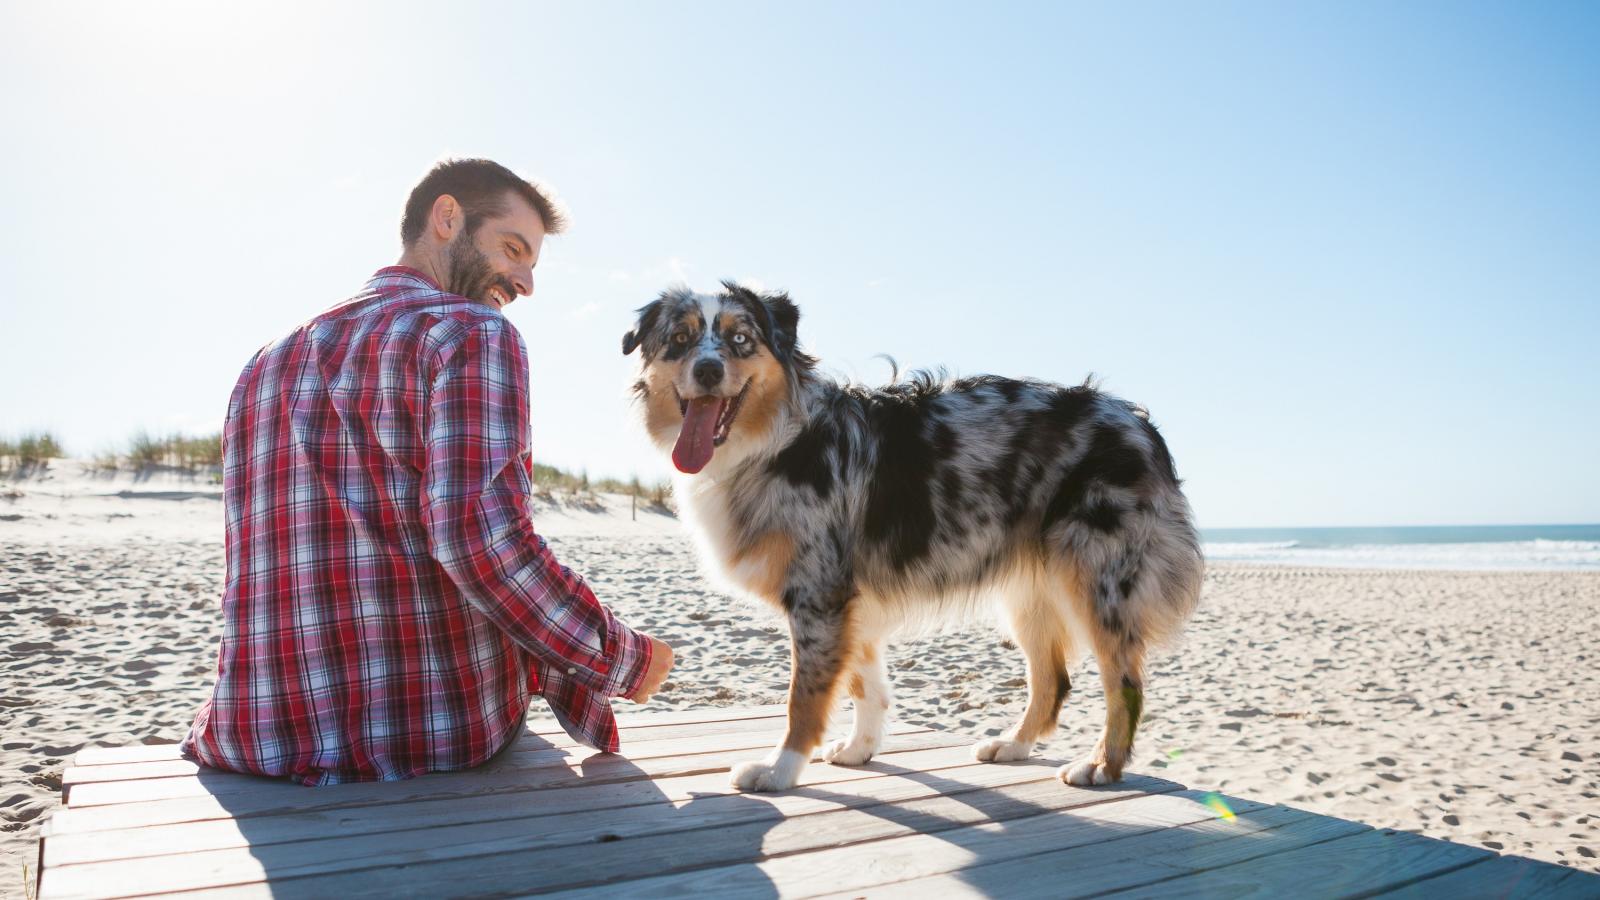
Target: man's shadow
{"points": [[526, 819]]}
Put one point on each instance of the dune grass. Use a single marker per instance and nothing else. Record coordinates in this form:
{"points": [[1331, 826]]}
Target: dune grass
{"points": [[143, 451], [202, 454], [174, 451], [549, 480], [29, 451]]}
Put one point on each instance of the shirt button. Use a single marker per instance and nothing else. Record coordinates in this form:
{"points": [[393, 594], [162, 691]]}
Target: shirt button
{"points": [[572, 671]]}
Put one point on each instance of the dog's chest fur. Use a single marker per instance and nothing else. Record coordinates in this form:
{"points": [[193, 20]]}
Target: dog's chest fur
{"points": [[751, 564]]}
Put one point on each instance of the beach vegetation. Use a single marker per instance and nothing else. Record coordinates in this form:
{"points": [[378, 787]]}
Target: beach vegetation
{"points": [[29, 451], [580, 488], [174, 451], [197, 454]]}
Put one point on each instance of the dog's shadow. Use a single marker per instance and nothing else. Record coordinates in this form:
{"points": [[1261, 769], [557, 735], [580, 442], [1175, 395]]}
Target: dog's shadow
{"points": [[930, 823]]}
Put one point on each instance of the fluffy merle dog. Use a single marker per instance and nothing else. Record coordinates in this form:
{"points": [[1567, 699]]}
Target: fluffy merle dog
{"points": [[860, 513]]}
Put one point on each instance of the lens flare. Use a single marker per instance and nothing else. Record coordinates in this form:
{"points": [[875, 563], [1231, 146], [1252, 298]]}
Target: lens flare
{"points": [[1218, 805]]}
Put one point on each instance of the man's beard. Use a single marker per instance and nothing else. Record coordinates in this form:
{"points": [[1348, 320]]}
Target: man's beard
{"points": [[471, 275]]}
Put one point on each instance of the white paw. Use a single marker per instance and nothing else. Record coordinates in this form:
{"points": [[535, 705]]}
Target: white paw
{"points": [[1001, 750], [852, 751], [763, 776], [1085, 772]]}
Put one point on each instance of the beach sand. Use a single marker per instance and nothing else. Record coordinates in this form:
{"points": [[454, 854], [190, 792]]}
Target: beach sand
{"points": [[1463, 706]]}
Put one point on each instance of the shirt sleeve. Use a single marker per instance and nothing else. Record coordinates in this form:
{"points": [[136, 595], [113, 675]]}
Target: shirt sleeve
{"points": [[475, 492]]}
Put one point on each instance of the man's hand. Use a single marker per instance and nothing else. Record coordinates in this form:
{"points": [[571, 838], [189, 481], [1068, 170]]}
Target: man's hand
{"points": [[656, 675]]}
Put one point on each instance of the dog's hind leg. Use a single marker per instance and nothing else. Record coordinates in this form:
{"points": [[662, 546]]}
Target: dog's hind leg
{"points": [[869, 687], [1040, 634], [1121, 671], [1119, 652], [820, 646]]}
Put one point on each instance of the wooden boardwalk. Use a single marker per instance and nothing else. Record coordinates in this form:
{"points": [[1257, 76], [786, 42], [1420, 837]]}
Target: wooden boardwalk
{"points": [[922, 820]]}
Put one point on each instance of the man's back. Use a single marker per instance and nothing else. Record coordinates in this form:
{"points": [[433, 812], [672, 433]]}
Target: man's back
{"points": [[388, 607]]}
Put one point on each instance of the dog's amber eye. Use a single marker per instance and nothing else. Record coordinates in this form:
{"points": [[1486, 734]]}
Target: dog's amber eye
{"points": [[681, 337]]}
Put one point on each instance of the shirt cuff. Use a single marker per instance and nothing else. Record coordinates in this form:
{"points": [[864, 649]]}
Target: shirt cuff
{"points": [[629, 664]]}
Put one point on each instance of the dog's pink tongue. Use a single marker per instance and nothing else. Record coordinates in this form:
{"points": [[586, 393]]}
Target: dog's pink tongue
{"points": [[694, 447]]}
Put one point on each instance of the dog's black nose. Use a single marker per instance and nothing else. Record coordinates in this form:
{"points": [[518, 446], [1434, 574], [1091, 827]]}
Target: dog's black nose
{"points": [[708, 372]]}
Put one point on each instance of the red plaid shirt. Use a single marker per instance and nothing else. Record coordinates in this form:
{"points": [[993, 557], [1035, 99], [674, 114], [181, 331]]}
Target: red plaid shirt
{"points": [[388, 608]]}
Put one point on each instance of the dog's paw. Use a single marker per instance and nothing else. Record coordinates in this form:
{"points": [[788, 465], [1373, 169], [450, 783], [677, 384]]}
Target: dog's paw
{"points": [[1086, 771], [761, 776], [851, 751], [1001, 750]]}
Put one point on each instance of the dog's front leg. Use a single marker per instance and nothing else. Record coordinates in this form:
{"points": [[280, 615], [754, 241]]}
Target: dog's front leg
{"points": [[819, 643], [869, 685]]}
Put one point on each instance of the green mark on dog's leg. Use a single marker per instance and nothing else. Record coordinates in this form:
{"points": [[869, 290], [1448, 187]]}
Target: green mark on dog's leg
{"points": [[1133, 700]]}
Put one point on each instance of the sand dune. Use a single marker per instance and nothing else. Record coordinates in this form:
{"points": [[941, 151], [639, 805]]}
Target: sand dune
{"points": [[1459, 705]]}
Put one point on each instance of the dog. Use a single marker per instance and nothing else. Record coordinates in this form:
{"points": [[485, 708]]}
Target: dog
{"points": [[862, 513]]}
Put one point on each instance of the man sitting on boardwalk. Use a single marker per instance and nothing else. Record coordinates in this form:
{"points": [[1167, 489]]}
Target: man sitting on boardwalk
{"points": [[388, 608]]}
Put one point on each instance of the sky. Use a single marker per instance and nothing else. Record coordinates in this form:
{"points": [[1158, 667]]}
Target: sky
{"points": [[1347, 254]]}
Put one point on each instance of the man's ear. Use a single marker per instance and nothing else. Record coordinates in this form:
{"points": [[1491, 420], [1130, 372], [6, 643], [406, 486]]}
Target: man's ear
{"points": [[649, 314], [445, 217]]}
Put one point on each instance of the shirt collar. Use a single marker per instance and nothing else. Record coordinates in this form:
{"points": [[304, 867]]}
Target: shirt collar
{"points": [[389, 275], [394, 279]]}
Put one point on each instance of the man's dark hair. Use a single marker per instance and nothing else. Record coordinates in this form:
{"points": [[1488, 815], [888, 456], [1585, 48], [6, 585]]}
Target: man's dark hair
{"points": [[480, 186]]}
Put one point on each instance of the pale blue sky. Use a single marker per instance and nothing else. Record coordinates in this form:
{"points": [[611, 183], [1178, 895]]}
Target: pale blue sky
{"points": [[1346, 253]]}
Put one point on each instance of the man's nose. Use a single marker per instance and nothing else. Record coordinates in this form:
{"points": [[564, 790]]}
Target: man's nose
{"points": [[522, 282], [708, 373]]}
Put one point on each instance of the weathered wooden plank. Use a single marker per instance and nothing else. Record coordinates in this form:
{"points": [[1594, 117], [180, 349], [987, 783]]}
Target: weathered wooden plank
{"points": [[93, 756], [218, 834], [650, 718], [1356, 865], [509, 866], [230, 784], [289, 799], [1506, 877], [528, 748], [1016, 868], [333, 854], [545, 727], [526, 743], [917, 852]]}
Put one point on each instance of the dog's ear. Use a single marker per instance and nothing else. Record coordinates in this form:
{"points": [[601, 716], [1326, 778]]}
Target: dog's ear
{"points": [[775, 313], [648, 316], [785, 318]]}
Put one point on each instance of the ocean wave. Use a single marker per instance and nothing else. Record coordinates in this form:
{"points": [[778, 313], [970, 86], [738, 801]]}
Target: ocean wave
{"points": [[1546, 555], [1250, 546], [1566, 546]]}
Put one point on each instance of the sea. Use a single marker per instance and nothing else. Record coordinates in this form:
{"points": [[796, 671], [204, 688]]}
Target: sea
{"points": [[1469, 547]]}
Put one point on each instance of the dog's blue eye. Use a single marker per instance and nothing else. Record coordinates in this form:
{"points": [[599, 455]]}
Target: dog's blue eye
{"points": [[739, 339]]}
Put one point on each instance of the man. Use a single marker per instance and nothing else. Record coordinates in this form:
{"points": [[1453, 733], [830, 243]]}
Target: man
{"points": [[388, 607]]}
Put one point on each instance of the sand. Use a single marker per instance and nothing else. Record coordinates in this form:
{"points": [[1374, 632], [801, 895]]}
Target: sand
{"points": [[1463, 706]]}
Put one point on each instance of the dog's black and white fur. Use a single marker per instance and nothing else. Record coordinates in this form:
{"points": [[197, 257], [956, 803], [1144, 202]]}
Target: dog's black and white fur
{"points": [[861, 512]]}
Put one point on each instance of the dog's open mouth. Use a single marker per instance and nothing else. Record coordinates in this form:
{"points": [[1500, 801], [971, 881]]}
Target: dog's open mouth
{"points": [[706, 423]]}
